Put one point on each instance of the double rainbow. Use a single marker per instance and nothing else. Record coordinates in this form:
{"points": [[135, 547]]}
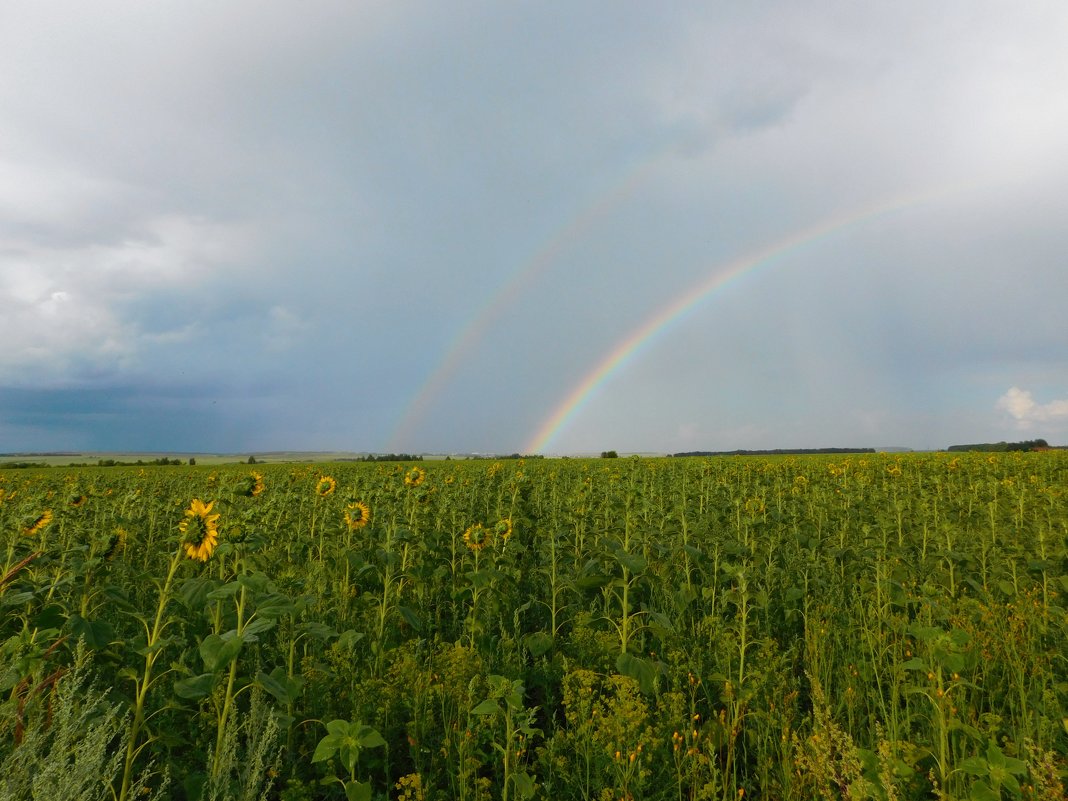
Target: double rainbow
{"points": [[660, 321]]}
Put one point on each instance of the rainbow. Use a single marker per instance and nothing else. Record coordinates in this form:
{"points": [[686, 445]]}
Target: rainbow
{"points": [[658, 322], [481, 321]]}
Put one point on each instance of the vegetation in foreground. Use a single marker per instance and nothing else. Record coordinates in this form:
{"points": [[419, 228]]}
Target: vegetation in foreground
{"points": [[861, 626]]}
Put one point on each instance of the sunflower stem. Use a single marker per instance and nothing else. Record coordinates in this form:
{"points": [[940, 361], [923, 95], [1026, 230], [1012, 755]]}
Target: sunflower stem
{"points": [[142, 684], [228, 697]]}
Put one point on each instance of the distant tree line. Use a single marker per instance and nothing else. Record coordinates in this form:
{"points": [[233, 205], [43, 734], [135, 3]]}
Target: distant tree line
{"points": [[382, 457], [1002, 447], [776, 452], [163, 460]]}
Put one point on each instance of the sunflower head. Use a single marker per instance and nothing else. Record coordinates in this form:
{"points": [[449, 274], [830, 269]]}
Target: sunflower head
{"points": [[357, 515], [77, 500], [476, 537], [503, 529], [325, 486], [116, 543], [200, 530], [414, 477], [251, 485], [39, 523]]}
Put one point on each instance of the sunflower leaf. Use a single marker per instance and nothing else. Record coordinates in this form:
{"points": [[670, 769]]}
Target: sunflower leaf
{"points": [[195, 687], [218, 652]]}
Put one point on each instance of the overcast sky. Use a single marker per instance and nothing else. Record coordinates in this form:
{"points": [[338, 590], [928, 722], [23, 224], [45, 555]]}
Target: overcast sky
{"points": [[243, 226]]}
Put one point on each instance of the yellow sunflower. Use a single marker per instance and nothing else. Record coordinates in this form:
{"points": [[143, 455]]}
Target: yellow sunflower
{"points": [[503, 529], [415, 477], [78, 500], [116, 542], [41, 521], [257, 486], [357, 515], [325, 486], [200, 530], [476, 537]]}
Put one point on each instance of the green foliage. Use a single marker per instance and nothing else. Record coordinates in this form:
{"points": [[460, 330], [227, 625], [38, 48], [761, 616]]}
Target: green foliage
{"points": [[70, 748], [845, 625]]}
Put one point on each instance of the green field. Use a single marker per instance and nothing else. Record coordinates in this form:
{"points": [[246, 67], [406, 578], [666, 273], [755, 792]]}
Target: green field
{"points": [[872, 626]]}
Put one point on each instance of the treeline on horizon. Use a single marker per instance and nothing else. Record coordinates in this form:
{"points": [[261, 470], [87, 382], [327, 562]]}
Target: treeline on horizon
{"points": [[1002, 447], [775, 452]]}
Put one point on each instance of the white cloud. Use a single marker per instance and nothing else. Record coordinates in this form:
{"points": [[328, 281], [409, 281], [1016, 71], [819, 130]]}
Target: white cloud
{"points": [[1019, 404], [69, 309]]}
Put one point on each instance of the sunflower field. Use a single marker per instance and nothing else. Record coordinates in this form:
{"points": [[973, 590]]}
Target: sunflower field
{"points": [[851, 627]]}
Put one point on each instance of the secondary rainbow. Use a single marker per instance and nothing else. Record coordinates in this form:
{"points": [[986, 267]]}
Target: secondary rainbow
{"points": [[657, 323]]}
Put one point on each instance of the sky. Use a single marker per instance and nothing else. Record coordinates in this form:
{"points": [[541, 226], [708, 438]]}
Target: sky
{"points": [[550, 227]]}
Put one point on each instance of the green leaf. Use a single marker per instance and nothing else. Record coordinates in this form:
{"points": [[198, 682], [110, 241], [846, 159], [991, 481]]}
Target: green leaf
{"points": [[369, 738], [218, 652], [994, 757], [257, 582], [326, 748], [348, 639], [278, 684], [633, 562], [96, 633], [524, 784], [639, 669], [411, 618], [981, 792], [1016, 766], [224, 592], [196, 687], [258, 625], [538, 643], [194, 592], [594, 581], [358, 791], [339, 728], [275, 606], [974, 766], [487, 707]]}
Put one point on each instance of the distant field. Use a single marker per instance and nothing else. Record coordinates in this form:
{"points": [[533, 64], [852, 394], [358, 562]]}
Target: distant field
{"points": [[885, 626]]}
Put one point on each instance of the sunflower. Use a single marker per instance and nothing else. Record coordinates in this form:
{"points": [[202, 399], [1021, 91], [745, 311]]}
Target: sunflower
{"points": [[116, 543], [414, 477], [357, 515], [503, 529], [251, 485], [325, 486], [39, 523], [200, 530], [78, 500], [476, 537]]}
